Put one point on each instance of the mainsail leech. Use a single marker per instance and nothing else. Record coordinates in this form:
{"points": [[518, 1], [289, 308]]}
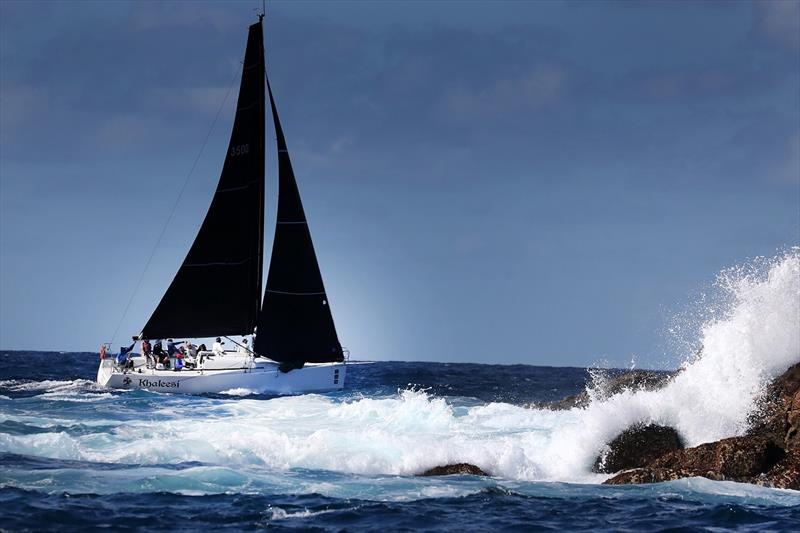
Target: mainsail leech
{"points": [[217, 290]]}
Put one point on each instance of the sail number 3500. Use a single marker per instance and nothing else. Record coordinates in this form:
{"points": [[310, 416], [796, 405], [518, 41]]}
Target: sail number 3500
{"points": [[240, 149]]}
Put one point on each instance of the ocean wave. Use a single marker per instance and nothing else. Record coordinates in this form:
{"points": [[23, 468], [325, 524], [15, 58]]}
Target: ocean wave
{"points": [[747, 343], [64, 386]]}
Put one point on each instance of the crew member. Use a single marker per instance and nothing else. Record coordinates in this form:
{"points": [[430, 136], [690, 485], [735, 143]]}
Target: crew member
{"points": [[160, 355], [172, 350], [217, 347], [147, 352], [190, 351], [243, 349], [124, 358]]}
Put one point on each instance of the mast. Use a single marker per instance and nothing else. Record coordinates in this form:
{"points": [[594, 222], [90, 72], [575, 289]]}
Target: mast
{"points": [[217, 290]]}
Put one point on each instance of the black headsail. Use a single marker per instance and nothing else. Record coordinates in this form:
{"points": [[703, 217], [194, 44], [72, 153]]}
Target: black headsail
{"points": [[295, 325], [217, 290]]}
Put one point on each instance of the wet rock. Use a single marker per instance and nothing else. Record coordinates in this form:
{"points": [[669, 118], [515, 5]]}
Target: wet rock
{"points": [[785, 474], [628, 380], [636, 447], [768, 454], [744, 459], [459, 469], [734, 458], [779, 416], [576, 400]]}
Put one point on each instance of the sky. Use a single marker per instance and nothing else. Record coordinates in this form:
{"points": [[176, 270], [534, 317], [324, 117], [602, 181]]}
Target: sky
{"points": [[539, 182]]}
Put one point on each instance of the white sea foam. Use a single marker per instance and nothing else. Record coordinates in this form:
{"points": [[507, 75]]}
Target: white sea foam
{"points": [[746, 344], [277, 513], [48, 385], [239, 391]]}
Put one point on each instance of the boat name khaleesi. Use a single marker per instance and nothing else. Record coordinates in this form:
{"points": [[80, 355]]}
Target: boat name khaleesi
{"points": [[143, 382]]}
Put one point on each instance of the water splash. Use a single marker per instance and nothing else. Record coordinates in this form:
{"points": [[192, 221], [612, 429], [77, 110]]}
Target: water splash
{"points": [[750, 335]]}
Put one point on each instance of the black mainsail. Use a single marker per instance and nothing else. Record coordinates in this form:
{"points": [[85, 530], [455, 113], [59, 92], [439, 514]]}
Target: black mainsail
{"points": [[217, 290], [295, 325]]}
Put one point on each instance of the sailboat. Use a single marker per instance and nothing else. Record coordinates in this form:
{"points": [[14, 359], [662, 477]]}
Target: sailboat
{"points": [[217, 290]]}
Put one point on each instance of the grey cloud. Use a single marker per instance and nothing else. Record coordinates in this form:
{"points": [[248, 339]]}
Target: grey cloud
{"points": [[778, 22], [539, 87]]}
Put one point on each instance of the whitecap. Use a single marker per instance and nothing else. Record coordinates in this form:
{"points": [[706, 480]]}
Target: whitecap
{"points": [[239, 391], [278, 513]]}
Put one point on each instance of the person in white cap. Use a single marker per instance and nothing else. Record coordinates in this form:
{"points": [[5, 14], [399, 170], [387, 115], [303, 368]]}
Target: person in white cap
{"points": [[217, 347], [243, 349]]}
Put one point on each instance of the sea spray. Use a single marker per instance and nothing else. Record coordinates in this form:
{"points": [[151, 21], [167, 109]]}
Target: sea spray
{"points": [[750, 336]]}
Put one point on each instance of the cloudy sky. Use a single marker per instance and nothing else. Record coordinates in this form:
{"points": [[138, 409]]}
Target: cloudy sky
{"points": [[538, 182]]}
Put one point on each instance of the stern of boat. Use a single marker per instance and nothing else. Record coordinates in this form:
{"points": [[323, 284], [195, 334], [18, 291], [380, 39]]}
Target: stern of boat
{"points": [[104, 372]]}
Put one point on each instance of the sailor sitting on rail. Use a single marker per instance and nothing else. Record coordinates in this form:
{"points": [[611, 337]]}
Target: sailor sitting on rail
{"points": [[190, 354]]}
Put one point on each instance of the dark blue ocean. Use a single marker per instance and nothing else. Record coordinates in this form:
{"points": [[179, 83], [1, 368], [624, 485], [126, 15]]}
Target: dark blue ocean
{"points": [[74, 457]]}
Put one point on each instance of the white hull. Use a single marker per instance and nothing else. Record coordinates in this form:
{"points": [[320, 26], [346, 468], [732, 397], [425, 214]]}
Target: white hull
{"points": [[259, 376]]}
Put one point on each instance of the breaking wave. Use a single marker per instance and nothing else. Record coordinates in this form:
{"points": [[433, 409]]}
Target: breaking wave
{"points": [[748, 342]]}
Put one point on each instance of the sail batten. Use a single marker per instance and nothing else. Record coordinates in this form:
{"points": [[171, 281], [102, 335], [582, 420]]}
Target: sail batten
{"points": [[295, 325], [217, 290]]}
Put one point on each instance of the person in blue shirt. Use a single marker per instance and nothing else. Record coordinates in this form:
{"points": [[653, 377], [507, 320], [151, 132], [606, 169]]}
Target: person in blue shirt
{"points": [[172, 347], [172, 350], [123, 358]]}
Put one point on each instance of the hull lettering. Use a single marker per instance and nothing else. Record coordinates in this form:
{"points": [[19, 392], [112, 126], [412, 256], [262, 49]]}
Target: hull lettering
{"points": [[144, 382]]}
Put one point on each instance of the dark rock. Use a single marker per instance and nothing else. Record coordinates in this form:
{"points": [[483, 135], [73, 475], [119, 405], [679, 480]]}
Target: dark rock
{"points": [[745, 459], [779, 416], [460, 469], [576, 400], [734, 458], [614, 384], [768, 454], [636, 447], [785, 474]]}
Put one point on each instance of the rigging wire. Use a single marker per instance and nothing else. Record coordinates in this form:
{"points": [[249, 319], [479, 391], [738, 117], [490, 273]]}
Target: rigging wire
{"points": [[175, 206], [246, 348]]}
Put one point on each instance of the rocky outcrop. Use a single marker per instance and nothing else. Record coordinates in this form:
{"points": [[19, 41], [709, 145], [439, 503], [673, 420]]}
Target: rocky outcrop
{"points": [[745, 459], [779, 416], [636, 447], [460, 469], [732, 458], [768, 454], [614, 384], [785, 474]]}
